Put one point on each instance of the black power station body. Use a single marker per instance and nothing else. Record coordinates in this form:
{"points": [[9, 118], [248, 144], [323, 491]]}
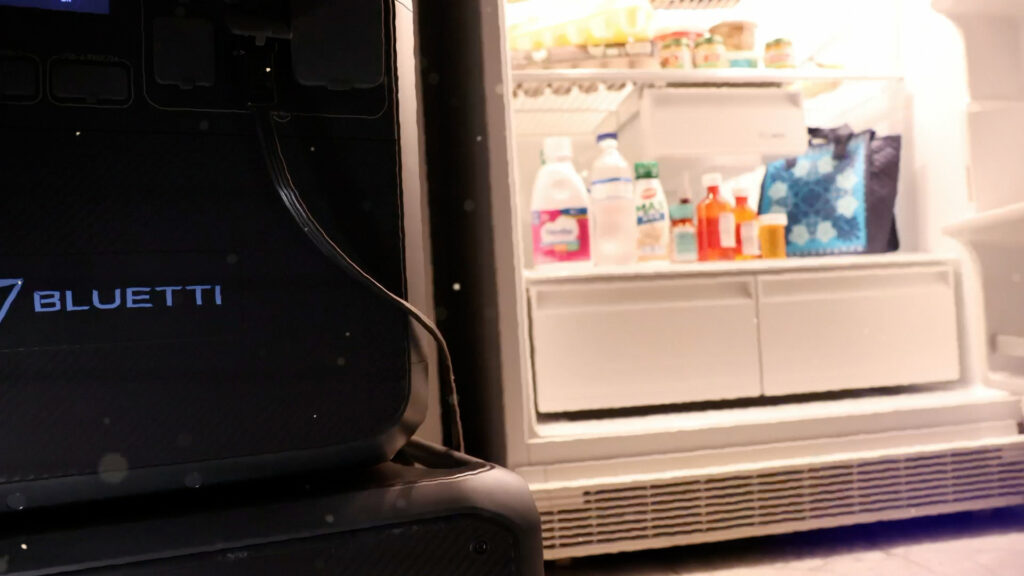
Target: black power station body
{"points": [[439, 514], [164, 322]]}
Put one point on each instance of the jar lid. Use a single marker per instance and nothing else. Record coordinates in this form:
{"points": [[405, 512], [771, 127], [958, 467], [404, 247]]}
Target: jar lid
{"points": [[774, 219], [710, 39], [779, 42]]}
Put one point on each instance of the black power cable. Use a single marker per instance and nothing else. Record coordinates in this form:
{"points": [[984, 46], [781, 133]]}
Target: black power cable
{"points": [[278, 168]]}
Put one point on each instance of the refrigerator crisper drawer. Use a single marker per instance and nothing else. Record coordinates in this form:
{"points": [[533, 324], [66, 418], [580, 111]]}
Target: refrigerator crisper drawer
{"points": [[843, 330], [635, 342]]}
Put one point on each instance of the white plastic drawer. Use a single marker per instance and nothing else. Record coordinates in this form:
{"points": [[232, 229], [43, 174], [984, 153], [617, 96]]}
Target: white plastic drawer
{"points": [[844, 330], [626, 343]]}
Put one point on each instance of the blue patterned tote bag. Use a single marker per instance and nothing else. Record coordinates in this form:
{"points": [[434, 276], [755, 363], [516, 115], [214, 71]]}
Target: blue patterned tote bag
{"points": [[839, 195]]}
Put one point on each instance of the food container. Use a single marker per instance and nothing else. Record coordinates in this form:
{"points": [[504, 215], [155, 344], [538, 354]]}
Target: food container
{"points": [[675, 50], [742, 59], [710, 53], [779, 54], [773, 235], [737, 35]]}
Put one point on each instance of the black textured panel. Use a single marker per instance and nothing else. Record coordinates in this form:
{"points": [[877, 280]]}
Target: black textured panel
{"points": [[461, 545], [19, 78], [440, 513], [90, 82], [337, 44], [169, 310], [298, 356], [184, 52]]}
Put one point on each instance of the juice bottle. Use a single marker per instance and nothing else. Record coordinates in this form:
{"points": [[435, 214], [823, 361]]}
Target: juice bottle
{"points": [[716, 223], [748, 244]]}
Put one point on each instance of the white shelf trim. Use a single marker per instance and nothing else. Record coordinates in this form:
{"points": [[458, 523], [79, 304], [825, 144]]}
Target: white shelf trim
{"points": [[674, 270], [727, 76], [989, 221], [759, 415]]}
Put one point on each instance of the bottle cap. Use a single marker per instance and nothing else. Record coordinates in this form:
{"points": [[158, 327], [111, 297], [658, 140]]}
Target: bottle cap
{"points": [[686, 193], [712, 180], [774, 219], [681, 212], [646, 170], [557, 148], [607, 136], [741, 192]]}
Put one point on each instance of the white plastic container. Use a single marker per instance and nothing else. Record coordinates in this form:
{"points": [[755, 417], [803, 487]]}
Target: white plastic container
{"points": [[652, 216], [560, 208], [614, 208]]}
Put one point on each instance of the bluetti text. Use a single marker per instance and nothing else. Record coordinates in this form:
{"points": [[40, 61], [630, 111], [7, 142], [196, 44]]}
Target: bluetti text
{"points": [[138, 297]]}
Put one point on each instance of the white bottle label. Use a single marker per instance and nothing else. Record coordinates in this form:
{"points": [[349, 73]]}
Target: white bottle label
{"points": [[727, 230], [749, 242]]}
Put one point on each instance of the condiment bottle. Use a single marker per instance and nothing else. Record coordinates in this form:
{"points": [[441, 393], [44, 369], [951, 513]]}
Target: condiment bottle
{"points": [[748, 243], [716, 224]]}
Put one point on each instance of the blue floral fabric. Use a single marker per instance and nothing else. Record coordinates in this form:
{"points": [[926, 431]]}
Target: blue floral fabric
{"points": [[823, 198]]}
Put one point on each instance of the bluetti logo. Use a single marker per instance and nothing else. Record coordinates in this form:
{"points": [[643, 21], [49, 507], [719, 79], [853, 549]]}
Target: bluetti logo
{"points": [[48, 301], [11, 286]]}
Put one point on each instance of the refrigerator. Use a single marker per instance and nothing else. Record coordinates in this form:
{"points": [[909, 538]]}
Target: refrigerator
{"points": [[661, 405]]}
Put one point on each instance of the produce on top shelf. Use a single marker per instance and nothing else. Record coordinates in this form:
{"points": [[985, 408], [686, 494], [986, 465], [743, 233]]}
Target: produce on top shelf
{"points": [[582, 33]]}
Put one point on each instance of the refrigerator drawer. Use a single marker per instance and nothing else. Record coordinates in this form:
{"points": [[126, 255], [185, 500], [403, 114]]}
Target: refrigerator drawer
{"points": [[845, 330], [627, 343]]}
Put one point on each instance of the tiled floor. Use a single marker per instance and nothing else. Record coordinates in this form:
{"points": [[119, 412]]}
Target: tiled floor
{"points": [[979, 544]]}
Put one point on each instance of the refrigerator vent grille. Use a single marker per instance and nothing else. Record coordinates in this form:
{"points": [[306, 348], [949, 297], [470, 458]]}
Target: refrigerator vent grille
{"points": [[720, 507], [694, 4], [571, 107]]}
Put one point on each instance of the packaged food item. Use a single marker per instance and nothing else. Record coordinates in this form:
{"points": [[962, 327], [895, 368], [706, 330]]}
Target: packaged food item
{"points": [[614, 209], [684, 232], [773, 235], [737, 35], [742, 59], [716, 223], [710, 53], [560, 208], [651, 214], [675, 50], [619, 22], [748, 242], [552, 38], [779, 54]]}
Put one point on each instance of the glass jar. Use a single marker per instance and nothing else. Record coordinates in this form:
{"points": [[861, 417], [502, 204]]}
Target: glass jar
{"points": [[675, 51], [773, 235], [710, 53], [779, 54]]}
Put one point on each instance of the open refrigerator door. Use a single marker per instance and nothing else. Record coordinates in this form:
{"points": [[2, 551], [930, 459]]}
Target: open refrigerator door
{"points": [[657, 403]]}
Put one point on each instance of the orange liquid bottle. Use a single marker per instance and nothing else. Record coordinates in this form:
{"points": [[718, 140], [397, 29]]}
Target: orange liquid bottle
{"points": [[716, 223], [748, 244]]}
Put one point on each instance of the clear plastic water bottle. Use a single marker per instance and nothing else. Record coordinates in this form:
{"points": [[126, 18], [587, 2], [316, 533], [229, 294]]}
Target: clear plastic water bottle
{"points": [[613, 208]]}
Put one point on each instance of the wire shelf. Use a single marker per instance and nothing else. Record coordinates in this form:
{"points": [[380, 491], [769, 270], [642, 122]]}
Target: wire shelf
{"points": [[572, 108]]}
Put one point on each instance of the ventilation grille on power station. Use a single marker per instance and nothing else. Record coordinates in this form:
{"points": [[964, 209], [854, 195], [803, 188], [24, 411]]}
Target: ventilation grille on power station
{"points": [[694, 510]]}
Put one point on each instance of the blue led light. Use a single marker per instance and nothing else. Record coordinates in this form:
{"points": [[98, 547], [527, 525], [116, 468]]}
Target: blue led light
{"points": [[86, 6]]}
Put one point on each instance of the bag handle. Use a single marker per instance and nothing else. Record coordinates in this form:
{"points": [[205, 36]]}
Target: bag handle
{"points": [[840, 137]]}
